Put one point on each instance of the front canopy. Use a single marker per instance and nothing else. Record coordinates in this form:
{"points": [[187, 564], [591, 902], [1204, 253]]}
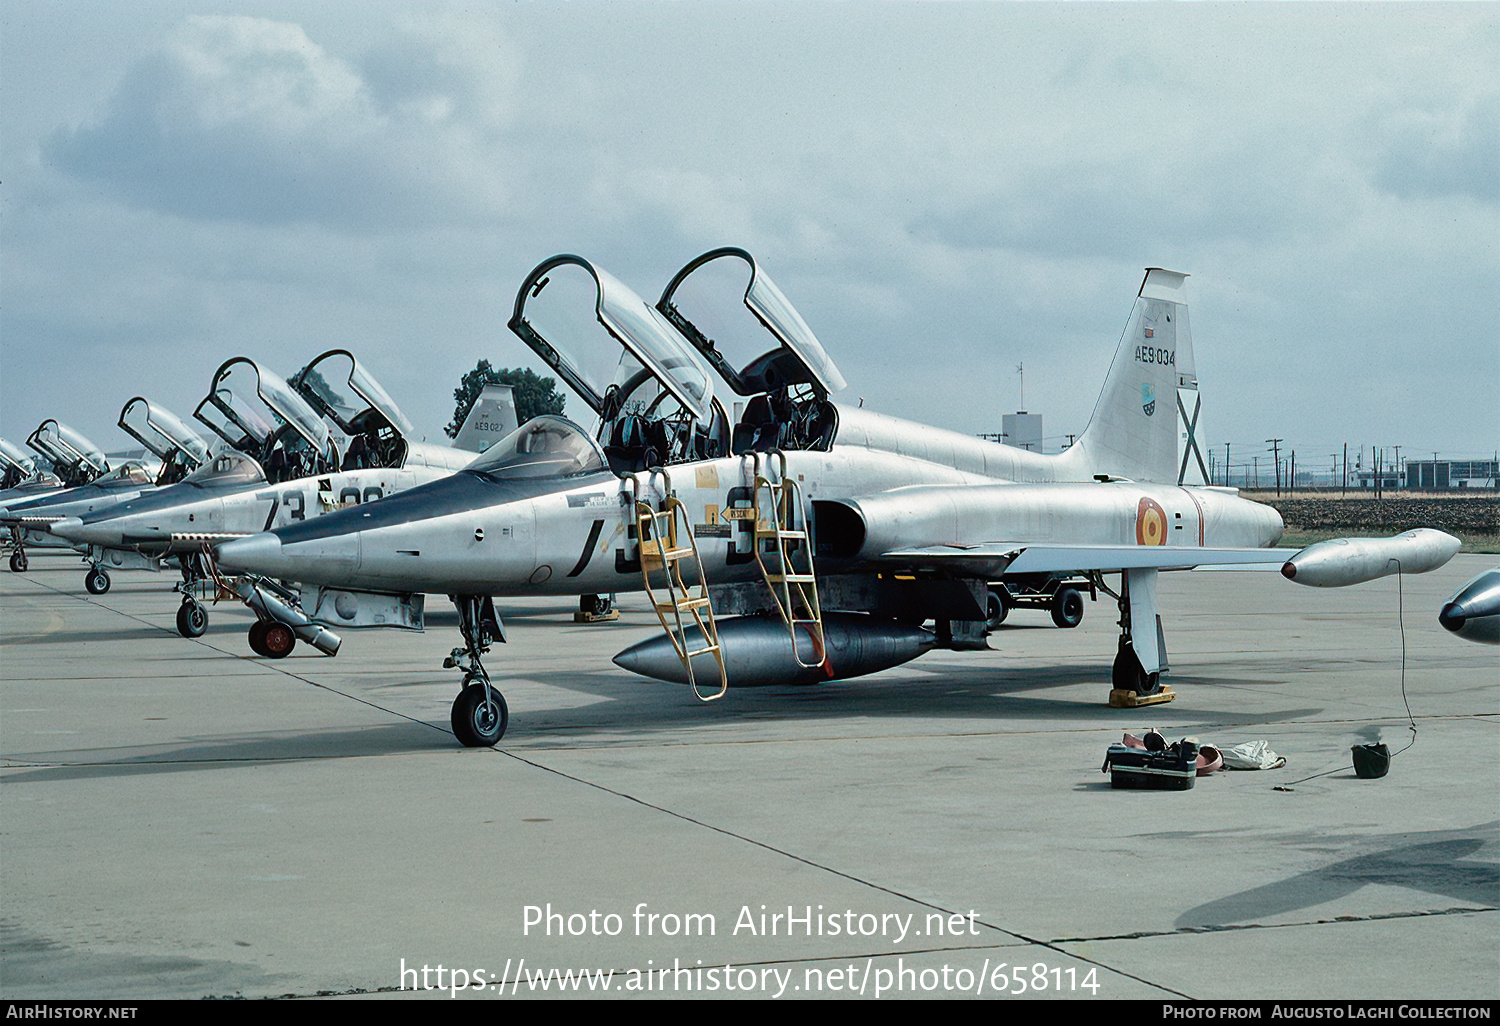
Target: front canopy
{"points": [[796, 359], [160, 431], [14, 458], [73, 456], [349, 395], [259, 402], [591, 363]]}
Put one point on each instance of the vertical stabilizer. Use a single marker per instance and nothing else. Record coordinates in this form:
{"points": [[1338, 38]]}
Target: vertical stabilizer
{"points": [[1146, 425], [491, 418]]}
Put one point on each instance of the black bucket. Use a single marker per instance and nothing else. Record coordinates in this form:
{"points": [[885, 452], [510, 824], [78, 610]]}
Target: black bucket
{"points": [[1371, 761]]}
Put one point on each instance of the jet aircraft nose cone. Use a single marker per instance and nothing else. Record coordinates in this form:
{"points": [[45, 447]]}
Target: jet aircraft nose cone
{"points": [[1453, 617], [260, 553]]}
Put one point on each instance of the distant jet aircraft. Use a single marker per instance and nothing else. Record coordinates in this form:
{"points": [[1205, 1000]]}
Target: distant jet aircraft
{"points": [[178, 447], [22, 476], [832, 532], [84, 472], [281, 466]]}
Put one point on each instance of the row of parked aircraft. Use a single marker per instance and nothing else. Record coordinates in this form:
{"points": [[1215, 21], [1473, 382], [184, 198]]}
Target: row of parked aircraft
{"points": [[782, 539]]}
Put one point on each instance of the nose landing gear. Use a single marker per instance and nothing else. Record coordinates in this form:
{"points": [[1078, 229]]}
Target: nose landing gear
{"points": [[479, 716]]}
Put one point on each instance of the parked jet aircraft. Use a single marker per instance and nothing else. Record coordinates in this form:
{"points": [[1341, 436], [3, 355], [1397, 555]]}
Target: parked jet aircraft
{"points": [[282, 467], [911, 521], [178, 447], [16, 467], [23, 476], [82, 468]]}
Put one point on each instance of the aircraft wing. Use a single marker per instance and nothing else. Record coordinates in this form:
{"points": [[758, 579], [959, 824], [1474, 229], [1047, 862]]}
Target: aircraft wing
{"points": [[994, 559]]}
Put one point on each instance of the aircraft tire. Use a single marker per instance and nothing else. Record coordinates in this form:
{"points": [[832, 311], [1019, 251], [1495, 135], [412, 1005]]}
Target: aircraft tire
{"points": [[996, 608], [18, 562], [1067, 608], [192, 620], [478, 724], [97, 581], [278, 640]]}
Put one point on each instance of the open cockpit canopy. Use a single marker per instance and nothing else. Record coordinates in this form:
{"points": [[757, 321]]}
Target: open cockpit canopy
{"points": [[788, 384], [257, 412], [348, 395], [14, 461], [74, 458], [179, 447], [653, 397], [545, 446], [797, 358]]}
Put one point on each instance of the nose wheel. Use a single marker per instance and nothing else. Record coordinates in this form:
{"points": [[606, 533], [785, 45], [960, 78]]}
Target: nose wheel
{"points": [[97, 581], [479, 715], [18, 562], [192, 619]]}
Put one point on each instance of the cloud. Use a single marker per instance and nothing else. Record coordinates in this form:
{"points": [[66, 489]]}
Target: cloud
{"points": [[248, 119], [1432, 154]]}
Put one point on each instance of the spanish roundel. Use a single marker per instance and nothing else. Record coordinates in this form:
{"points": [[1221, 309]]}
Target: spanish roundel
{"points": [[1150, 523]]}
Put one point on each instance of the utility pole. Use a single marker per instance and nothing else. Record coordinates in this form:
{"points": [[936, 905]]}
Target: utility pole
{"points": [[1256, 460], [1345, 489], [1291, 478], [1275, 444], [1399, 482], [1226, 464]]}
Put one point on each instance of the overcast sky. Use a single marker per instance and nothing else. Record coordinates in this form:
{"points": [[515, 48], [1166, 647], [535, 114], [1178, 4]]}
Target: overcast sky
{"points": [[944, 190]]}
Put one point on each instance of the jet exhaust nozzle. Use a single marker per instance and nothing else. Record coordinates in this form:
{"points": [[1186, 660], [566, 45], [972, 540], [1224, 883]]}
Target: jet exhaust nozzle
{"points": [[757, 651], [1340, 562]]}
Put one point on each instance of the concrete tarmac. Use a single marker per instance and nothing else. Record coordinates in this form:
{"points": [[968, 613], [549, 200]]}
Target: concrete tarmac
{"points": [[181, 819]]}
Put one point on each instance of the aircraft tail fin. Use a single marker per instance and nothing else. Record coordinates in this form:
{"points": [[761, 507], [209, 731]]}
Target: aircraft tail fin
{"points": [[491, 418], [1145, 425]]}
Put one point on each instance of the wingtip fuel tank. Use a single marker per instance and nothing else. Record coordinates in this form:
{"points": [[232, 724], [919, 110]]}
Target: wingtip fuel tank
{"points": [[1474, 612], [1340, 562], [758, 651]]}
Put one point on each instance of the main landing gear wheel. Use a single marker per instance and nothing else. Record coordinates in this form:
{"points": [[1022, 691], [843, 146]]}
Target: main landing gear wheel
{"points": [[97, 581], [18, 561], [479, 720], [1128, 675], [192, 620], [1067, 608], [996, 608]]}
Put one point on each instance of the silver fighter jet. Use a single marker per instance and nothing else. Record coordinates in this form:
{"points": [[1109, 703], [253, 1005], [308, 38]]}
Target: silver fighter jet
{"points": [[282, 467], [86, 481], [830, 533]]}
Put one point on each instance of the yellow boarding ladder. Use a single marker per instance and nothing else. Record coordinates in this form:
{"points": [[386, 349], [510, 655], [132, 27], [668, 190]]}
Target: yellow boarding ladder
{"points": [[666, 540], [784, 552]]}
